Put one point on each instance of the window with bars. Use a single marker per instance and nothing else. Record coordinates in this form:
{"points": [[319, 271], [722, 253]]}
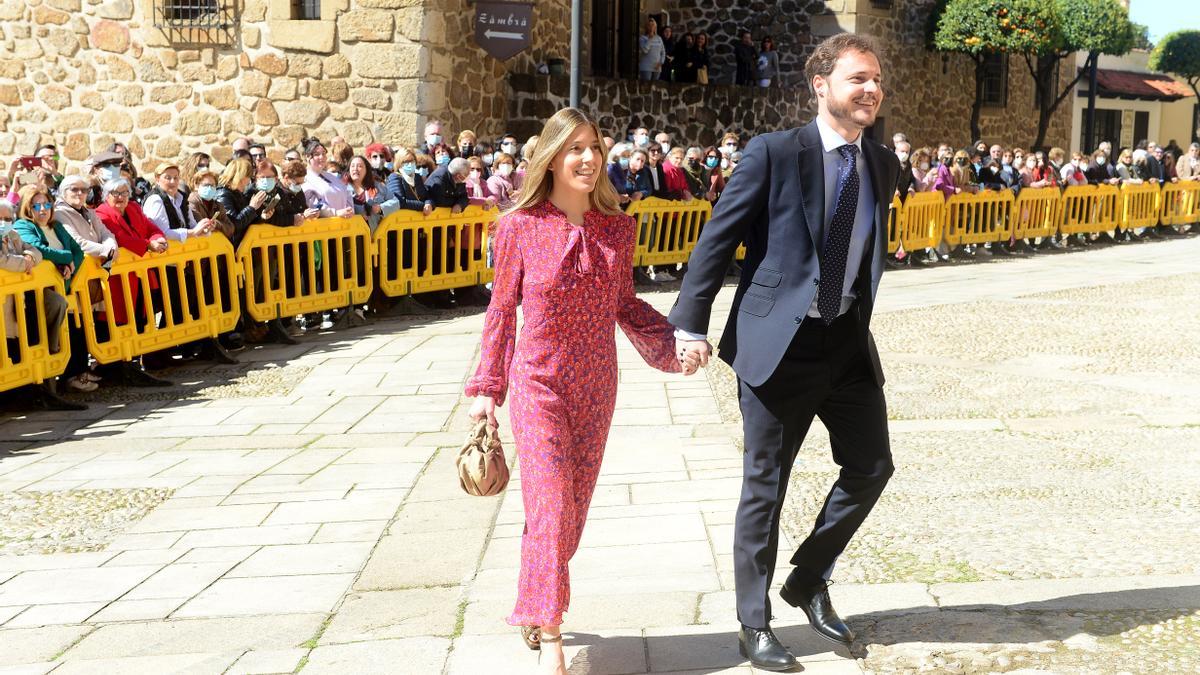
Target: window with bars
{"points": [[995, 80], [306, 10], [189, 13]]}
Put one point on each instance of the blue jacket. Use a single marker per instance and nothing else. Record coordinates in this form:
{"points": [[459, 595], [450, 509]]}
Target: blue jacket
{"points": [[71, 254], [412, 197], [775, 204]]}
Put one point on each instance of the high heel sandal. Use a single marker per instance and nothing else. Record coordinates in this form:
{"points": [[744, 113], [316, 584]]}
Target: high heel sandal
{"points": [[533, 637]]}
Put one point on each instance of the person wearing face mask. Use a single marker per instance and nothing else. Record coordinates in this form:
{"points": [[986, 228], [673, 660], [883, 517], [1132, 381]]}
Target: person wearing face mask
{"points": [[641, 137], [922, 169], [712, 171], [1097, 171], [500, 183], [1072, 172], [730, 143], [407, 184], [477, 188], [242, 195], [106, 166], [695, 172], [442, 154], [905, 183], [466, 144], [203, 204], [81, 222], [618, 174], [433, 137], [195, 162], [380, 158], [508, 145]]}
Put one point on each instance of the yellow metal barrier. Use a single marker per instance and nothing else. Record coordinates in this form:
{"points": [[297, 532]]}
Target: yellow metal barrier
{"points": [[667, 231], [1035, 213], [924, 220], [25, 356], [895, 225], [979, 218], [418, 253], [1180, 203], [320, 265], [1139, 205], [1089, 208], [192, 286]]}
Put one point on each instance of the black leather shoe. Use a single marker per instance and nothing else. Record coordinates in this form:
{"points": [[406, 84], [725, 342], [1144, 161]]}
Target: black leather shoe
{"points": [[764, 651], [814, 600]]}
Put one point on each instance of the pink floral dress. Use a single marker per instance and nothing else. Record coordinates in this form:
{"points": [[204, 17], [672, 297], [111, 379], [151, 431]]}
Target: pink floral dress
{"points": [[574, 285]]}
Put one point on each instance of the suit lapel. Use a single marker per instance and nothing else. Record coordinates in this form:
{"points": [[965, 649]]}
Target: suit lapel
{"points": [[812, 181], [883, 196]]}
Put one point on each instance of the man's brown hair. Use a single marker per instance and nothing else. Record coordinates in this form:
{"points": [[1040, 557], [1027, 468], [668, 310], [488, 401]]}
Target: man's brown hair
{"points": [[825, 56]]}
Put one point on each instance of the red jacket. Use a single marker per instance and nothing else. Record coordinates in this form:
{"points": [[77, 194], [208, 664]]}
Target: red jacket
{"points": [[134, 236], [676, 180]]}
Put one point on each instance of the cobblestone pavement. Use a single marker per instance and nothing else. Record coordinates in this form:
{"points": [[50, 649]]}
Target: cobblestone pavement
{"points": [[299, 511]]}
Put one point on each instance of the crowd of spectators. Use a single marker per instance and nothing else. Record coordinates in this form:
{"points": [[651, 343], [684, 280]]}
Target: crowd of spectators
{"points": [[980, 167], [684, 56], [106, 206]]}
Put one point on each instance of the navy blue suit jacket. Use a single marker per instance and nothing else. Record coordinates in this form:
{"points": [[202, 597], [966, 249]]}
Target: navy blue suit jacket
{"points": [[775, 203]]}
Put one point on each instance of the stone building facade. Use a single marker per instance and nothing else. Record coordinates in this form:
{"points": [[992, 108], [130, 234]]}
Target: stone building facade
{"points": [[83, 73]]}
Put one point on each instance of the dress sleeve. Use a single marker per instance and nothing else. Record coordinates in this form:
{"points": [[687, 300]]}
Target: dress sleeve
{"points": [[649, 331], [500, 322]]}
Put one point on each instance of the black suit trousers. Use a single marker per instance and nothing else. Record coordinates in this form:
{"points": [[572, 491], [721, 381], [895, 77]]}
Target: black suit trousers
{"points": [[825, 373]]}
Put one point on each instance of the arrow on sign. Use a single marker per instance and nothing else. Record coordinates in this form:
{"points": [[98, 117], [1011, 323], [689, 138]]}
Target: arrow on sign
{"points": [[507, 36]]}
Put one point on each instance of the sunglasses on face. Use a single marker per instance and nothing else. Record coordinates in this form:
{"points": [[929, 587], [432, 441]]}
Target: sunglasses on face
{"points": [[42, 206]]}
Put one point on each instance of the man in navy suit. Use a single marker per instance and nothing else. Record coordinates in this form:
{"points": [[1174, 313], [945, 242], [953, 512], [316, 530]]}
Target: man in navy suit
{"points": [[811, 205]]}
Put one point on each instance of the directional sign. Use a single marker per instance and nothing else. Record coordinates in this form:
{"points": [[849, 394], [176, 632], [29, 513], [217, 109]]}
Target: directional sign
{"points": [[502, 28]]}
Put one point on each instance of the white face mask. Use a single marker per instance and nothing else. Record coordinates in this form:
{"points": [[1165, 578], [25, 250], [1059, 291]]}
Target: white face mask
{"points": [[487, 159], [508, 148], [1102, 161], [666, 147], [724, 163], [505, 170], [433, 139], [641, 139], [924, 166], [902, 156], [377, 162]]}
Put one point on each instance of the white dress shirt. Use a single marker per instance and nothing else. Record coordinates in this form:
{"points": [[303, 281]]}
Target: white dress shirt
{"points": [[864, 214], [156, 212]]}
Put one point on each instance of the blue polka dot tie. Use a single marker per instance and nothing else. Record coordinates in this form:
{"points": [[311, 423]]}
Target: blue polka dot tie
{"points": [[837, 237]]}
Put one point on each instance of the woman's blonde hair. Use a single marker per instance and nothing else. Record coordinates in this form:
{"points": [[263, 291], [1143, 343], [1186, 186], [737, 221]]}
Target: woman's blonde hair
{"points": [[235, 173], [961, 172], [554, 137], [26, 195]]}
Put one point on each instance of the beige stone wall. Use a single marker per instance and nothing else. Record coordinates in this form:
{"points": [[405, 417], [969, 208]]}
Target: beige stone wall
{"points": [[83, 73]]}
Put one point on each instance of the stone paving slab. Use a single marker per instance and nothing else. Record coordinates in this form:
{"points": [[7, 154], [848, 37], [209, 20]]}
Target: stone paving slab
{"points": [[327, 513]]}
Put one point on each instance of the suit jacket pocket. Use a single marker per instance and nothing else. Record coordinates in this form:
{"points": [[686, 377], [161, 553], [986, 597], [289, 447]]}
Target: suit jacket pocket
{"points": [[756, 305], [765, 277]]}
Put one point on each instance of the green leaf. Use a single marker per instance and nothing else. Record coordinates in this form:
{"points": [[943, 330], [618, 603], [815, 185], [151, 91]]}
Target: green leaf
{"points": [[1178, 53]]}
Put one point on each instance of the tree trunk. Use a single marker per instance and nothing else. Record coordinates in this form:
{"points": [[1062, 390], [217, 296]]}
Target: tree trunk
{"points": [[1050, 99], [977, 106]]}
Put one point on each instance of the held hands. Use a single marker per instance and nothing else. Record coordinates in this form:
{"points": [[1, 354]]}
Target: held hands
{"points": [[483, 407], [157, 245], [692, 354]]}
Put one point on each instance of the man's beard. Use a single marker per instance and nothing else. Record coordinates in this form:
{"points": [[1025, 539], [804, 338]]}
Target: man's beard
{"points": [[844, 110]]}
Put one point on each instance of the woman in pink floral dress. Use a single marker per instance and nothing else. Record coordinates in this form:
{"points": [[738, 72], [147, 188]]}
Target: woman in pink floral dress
{"points": [[565, 254]]}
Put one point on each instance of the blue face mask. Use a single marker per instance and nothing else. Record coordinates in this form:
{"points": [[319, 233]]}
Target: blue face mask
{"points": [[207, 192], [624, 162], [423, 172], [711, 162], [409, 168], [109, 172], [443, 160], [296, 187], [265, 184], [387, 165]]}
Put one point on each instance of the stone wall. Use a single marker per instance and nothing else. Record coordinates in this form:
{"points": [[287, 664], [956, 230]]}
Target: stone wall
{"points": [[693, 114], [83, 73]]}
